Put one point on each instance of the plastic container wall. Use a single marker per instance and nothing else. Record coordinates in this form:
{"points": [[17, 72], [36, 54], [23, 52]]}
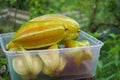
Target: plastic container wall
{"points": [[76, 67]]}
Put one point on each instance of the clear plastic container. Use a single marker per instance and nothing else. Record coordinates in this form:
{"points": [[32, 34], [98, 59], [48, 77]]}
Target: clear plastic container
{"points": [[85, 67]]}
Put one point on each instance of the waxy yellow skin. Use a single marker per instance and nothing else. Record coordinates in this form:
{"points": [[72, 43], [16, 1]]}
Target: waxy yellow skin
{"points": [[44, 31], [71, 26], [54, 63], [27, 65], [38, 34], [76, 55]]}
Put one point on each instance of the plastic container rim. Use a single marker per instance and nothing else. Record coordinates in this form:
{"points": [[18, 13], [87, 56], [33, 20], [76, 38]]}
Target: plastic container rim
{"points": [[98, 44]]}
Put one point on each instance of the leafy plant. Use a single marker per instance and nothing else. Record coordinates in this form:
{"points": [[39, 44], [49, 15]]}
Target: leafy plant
{"points": [[3, 70], [109, 63], [94, 16], [1, 78]]}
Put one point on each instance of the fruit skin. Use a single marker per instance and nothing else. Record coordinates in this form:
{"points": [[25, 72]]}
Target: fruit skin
{"points": [[74, 55], [54, 63], [12, 47], [78, 55], [27, 65], [38, 34], [71, 26], [83, 43], [86, 53], [44, 31]]}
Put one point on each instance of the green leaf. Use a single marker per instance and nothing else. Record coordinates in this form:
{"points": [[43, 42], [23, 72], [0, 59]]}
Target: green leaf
{"points": [[114, 50], [100, 64], [108, 64], [112, 35], [113, 76], [13, 1], [116, 59]]}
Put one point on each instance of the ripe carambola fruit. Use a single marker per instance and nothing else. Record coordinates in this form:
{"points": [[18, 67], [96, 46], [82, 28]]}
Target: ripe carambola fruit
{"points": [[38, 34], [54, 63], [12, 47], [74, 55], [27, 65], [86, 53], [78, 55], [71, 26], [44, 31]]}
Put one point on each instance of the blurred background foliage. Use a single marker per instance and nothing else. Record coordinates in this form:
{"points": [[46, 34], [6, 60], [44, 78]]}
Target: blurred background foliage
{"points": [[99, 18]]}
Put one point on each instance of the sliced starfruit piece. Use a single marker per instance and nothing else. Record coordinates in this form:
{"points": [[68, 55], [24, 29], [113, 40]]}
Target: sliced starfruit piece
{"points": [[74, 55], [83, 43], [71, 26], [38, 34], [86, 53], [54, 63], [27, 65], [78, 55]]}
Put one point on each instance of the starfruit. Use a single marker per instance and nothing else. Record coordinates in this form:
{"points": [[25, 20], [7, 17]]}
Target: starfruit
{"points": [[71, 26], [27, 65], [75, 55], [86, 53], [38, 34], [12, 47], [78, 55], [54, 63]]}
